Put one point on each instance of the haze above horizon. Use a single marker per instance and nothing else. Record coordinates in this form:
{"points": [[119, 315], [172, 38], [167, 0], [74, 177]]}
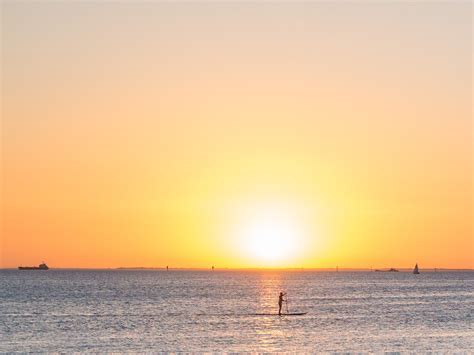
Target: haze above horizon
{"points": [[244, 134]]}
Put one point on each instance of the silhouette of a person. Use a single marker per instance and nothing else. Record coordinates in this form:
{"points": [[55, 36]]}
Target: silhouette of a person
{"points": [[280, 302]]}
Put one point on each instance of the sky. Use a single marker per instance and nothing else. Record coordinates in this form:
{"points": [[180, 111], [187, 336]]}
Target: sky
{"points": [[237, 134]]}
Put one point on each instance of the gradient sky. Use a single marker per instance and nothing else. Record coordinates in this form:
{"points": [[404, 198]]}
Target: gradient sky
{"points": [[158, 134]]}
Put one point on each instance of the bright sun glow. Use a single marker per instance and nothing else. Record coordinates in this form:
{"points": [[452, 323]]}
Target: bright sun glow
{"points": [[271, 236]]}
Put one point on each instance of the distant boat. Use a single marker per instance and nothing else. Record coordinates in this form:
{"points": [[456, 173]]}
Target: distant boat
{"points": [[389, 270], [42, 266], [415, 270]]}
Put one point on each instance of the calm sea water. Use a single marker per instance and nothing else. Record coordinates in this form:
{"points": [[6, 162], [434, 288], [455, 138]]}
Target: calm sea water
{"points": [[118, 310]]}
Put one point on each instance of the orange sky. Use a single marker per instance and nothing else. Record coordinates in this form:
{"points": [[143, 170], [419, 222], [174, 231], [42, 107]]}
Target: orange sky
{"points": [[161, 134]]}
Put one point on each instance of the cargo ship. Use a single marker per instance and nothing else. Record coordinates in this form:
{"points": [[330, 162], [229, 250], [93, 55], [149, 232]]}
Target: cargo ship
{"points": [[42, 266]]}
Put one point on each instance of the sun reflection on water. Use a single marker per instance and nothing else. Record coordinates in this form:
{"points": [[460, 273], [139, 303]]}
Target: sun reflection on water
{"points": [[271, 329], [269, 287]]}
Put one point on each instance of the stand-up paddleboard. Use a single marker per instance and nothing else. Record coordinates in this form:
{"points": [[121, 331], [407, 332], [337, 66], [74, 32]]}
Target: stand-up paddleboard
{"points": [[283, 314]]}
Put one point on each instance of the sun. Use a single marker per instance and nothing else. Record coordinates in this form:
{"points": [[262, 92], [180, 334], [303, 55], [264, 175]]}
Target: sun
{"points": [[271, 236], [270, 240]]}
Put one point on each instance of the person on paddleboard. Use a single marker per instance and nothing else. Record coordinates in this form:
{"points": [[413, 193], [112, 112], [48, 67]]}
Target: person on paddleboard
{"points": [[280, 302]]}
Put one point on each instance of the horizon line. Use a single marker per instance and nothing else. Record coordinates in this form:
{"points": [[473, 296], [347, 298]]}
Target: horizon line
{"points": [[333, 269]]}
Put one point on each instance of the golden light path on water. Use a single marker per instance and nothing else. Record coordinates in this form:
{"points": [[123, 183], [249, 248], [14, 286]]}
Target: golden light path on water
{"points": [[270, 285]]}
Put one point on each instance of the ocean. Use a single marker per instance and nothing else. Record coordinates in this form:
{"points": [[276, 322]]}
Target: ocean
{"points": [[214, 311]]}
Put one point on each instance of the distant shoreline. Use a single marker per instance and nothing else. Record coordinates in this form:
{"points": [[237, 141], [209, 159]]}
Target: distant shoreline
{"points": [[138, 268]]}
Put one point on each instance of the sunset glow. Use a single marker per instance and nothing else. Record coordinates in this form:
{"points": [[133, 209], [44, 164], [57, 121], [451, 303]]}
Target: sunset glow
{"points": [[236, 134], [270, 240], [272, 235]]}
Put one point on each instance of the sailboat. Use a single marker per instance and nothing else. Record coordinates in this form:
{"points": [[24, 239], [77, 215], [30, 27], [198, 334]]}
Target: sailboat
{"points": [[415, 270]]}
